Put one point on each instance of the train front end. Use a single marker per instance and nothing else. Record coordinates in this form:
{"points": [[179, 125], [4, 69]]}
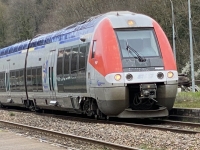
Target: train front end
{"points": [[135, 65]]}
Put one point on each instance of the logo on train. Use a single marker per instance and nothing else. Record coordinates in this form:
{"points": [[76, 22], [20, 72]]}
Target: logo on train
{"points": [[99, 83]]}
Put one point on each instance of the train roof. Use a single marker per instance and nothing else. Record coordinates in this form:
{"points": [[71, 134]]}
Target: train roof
{"points": [[68, 33]]}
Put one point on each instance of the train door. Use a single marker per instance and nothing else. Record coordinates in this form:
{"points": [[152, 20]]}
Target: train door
{"points": [[49, 75], [91, 73]]}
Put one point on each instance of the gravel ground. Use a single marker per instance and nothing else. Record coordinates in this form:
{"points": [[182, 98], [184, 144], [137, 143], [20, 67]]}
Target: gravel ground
{"points": [[120, 134]]}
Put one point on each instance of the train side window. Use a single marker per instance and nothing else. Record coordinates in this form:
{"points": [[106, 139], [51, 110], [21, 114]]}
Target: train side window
{"points": [[21, 80], [34, 79], [81, 77], [66, 61], [2, 82], [66, 77], [39, 78], [12, 80], [60, 66], [94, 48], [60, 62], [74, 56], [17, 80], [29, 79], [82, 58]]}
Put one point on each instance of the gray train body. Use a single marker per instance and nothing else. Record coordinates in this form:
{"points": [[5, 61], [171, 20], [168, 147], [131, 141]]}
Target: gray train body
{"points": [[73, 69]]}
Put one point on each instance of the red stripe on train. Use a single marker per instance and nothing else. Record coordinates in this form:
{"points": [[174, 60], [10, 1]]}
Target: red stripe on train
{"points": [[107, 54], [166, 50]]}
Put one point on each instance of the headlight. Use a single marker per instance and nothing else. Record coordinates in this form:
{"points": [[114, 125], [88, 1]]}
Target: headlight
{"points": [[170, 74], [117, 77], [160, 75], [129, 77]]}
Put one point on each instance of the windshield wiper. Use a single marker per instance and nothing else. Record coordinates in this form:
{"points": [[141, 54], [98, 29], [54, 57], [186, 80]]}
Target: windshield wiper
{"points": [[140, 58]]}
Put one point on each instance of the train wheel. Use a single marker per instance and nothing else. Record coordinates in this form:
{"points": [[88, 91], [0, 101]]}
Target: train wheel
{"points": [[32, 108], [87, 108], [1, 106], [99, 115]]}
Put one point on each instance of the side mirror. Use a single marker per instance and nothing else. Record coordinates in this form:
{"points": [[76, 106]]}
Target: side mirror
{"points": [[83, 39]]}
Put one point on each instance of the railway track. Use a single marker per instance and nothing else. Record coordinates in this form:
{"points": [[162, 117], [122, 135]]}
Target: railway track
{"points": [[147, 124], [165, 127], [86, 126], [158, 124], [67, 136], [188, 114], [184, 118]]}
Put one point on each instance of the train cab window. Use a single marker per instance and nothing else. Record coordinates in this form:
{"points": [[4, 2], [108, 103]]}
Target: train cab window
{"points": [[143, 41], [94, 48]]}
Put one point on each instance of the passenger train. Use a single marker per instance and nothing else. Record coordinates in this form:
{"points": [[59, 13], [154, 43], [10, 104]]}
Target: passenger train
{"points": [[117, 64]]}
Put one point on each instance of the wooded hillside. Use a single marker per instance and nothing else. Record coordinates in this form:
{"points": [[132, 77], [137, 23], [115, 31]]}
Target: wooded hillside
{"points": [[22, 19]]}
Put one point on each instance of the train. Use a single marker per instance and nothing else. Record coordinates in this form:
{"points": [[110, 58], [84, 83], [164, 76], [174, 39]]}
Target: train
{"points": [[117, 64]]}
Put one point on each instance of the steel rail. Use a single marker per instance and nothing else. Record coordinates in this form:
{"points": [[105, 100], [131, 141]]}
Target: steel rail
{"points": [[74, 137], [193, 124], [160, 128], [138, 125], [184, 118]]}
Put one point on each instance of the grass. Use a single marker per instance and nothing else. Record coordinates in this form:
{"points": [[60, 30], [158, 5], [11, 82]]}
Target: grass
{"points": [[188, 99], [12, 114]]}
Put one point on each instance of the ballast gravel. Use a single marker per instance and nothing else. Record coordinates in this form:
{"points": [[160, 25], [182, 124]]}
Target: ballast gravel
{"points": [[120, 134]]}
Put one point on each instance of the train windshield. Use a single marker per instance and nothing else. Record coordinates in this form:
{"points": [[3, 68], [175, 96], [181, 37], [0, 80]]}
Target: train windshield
{"points": [[141, 41]]}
